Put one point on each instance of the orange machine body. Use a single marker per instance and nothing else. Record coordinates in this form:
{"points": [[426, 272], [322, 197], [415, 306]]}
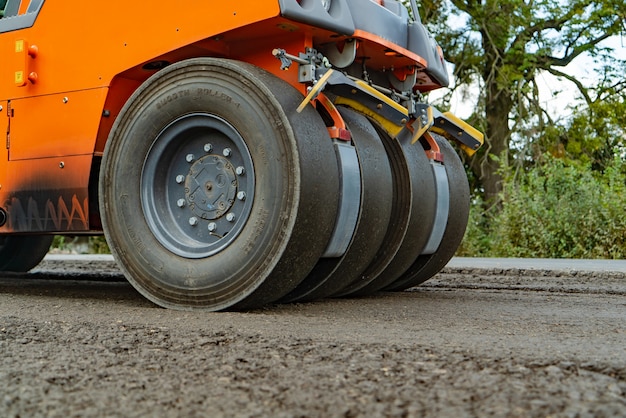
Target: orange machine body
{"points": [[64, 79]]}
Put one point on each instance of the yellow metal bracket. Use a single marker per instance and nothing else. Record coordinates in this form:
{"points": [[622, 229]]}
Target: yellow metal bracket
{"points": [[363, 98], [391, 116], [453, 128], [315, 90], [423, 122]]}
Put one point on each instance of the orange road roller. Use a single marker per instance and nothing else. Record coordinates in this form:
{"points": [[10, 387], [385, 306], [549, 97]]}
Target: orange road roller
{"points": [[233, 153]]}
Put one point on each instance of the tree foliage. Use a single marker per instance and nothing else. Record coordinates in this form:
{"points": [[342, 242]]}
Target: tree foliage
{"points": [[502, 46], [559, 184]]}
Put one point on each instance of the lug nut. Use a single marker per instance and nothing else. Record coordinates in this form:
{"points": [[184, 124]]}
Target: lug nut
{"points": [[240, 171], [180, 179], [212, 227], [208, 147], [241, 196], [189, 158], [181, 203], [193, 221], [227, 152], [230, 217]]}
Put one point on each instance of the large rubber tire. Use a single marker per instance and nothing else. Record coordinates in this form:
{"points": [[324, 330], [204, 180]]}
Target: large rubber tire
{"points": [[21, 253], [210, 187], [412, 218], [427, 266], [331, 275]]}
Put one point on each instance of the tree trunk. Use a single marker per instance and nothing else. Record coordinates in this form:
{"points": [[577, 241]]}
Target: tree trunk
{"points": [[498, 106]]}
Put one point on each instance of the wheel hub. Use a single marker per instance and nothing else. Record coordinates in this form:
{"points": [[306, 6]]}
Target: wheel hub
{"points": [[197, 185], [211, 187]]}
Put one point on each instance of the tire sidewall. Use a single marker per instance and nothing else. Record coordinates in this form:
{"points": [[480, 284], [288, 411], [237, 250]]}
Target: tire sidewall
{"points": [[238, 269]]}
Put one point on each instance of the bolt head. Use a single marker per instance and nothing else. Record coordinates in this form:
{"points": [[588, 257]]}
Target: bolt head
{"points": [[181, 203], [212, 227], [241, 196], [208, 147], [190, 158], [193, 221], [230, 217], [240, 171], [180, 179], [227, 152]]}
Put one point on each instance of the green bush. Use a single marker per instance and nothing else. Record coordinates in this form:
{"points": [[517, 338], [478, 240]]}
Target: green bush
{"points": [[554, 210], [98, 245], [80, 244], [477, 241]]}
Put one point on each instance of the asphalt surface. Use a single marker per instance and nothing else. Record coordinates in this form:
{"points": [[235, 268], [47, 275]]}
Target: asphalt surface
{"points": [[555, 266], [485, 337]]}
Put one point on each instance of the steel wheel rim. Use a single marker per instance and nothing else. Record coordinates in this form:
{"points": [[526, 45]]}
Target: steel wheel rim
{"points": [[197, 185]]}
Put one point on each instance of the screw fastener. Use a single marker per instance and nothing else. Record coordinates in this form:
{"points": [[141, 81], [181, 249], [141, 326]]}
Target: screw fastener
{"points": [[181, 203], [208, 147], [240, 171], [230, 217], [241, 196], [180, 179], [212, 226], [193, 221], [227, 152], [189, 158]]}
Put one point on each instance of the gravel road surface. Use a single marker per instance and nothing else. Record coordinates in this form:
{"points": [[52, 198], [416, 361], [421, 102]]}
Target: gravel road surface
{"points": [[499, 338]]}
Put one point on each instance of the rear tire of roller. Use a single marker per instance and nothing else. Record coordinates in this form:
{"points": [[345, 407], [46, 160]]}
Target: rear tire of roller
{"points": [[331, 275], [21, 253], [412, 218], [210, 187], [426, 266]]}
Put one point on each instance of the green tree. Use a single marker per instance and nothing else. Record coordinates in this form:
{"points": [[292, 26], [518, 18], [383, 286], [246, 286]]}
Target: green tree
{"points": [[593, 135], [503, 45]]}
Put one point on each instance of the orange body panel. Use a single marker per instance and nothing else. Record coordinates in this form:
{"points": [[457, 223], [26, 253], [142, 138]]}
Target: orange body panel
{"points": [[55, 125], [83, 45]]}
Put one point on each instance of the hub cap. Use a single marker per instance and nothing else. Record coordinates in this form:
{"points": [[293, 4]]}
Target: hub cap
{"points": [[197, 185]]}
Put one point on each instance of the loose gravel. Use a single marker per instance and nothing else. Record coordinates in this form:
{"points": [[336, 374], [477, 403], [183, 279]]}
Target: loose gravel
{"points": [[82, 343]]}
